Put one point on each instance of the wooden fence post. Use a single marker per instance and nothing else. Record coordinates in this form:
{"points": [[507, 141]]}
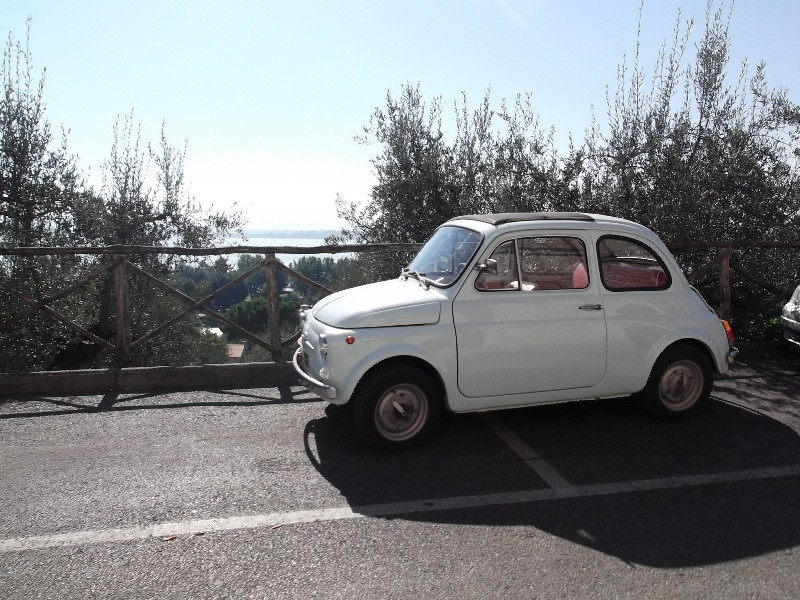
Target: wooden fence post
{"points": [[123, 332], [725, 282], [273, 309]]}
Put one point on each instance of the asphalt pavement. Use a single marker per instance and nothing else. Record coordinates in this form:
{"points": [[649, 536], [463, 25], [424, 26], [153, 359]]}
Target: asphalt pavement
{"points": [[266, 493]]}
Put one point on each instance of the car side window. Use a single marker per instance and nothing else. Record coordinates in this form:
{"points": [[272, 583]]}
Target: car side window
{"points": [[629, 265], [500, 271], [554, 263], [536, 264]]}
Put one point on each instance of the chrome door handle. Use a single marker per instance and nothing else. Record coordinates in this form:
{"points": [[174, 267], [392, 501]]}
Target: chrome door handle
{"points": [[591, 307]]}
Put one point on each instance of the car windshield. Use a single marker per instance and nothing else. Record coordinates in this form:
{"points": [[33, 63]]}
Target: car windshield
{"points": [[445, 255]]}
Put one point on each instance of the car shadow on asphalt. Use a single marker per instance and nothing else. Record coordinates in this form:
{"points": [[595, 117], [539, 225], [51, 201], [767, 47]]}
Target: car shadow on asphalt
{"points": [[658, 507]]}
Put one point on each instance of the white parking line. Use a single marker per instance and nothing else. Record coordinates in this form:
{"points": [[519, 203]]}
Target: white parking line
{"points": [[271, 520], [542, 468]]}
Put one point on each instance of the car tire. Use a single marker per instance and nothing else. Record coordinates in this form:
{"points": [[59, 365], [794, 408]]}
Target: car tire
{"points": [[679, 384], [396, 409]]}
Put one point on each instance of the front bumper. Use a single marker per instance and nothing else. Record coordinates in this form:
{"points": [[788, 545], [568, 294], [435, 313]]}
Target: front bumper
{"points": [[791, 335], [323, 390], [791, 329]]}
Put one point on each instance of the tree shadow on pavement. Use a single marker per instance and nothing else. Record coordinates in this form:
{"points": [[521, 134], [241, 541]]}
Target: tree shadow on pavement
{"points": [[52, 406]]}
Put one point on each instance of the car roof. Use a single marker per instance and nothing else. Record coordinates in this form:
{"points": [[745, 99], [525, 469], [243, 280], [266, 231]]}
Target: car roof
{"points": [[502, 218], [515, 221]]}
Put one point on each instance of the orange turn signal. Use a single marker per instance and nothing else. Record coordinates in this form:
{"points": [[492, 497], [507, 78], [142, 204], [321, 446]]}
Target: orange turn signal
{"points": [[728, 330]]}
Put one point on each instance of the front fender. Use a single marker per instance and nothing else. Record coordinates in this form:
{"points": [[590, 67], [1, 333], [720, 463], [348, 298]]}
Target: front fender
{"points": [[434, 345]]}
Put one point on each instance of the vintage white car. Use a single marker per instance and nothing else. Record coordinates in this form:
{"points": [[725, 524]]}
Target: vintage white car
{"points": [[508, 310], [790, 319]]}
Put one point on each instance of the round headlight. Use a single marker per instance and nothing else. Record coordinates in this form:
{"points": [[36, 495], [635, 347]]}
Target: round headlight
{"points": [[325, 373]]}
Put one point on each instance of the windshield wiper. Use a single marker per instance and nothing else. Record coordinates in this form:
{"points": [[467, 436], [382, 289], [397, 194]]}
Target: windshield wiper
{"points": [[416, 275]]}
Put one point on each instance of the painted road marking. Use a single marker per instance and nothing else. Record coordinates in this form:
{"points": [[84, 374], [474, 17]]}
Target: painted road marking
{"points": [[271, 520], [531, 458]]}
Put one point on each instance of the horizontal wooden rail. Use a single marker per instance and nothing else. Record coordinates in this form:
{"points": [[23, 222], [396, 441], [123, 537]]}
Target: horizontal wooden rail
{"points": [[137, 379], [335, 248], [125, 378], [183, 251]]}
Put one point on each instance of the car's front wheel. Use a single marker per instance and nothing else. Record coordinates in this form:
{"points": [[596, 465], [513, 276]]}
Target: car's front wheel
{"points": [[397, 408], [680, 383]]}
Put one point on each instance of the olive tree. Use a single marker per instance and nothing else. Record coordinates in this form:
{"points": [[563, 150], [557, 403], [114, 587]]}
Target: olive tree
{"points": [[497, 161], [135, 207], [44, 202], [699, 156], [40, 186]]}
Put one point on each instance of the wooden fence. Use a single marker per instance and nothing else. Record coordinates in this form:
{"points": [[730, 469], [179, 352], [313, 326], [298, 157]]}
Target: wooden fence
{"points": [[725, 262], [125, 378], [122, 377]]}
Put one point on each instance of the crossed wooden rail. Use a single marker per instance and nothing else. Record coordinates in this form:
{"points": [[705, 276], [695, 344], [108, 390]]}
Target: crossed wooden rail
{"points": [[124, 377], [121, 267]]}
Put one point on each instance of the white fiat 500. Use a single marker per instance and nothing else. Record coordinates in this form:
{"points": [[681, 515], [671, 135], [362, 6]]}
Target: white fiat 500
{"points": [[790, 319], [509, 310]]}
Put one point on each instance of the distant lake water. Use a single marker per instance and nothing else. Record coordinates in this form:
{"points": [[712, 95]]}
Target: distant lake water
{"points": [[295, 238]]}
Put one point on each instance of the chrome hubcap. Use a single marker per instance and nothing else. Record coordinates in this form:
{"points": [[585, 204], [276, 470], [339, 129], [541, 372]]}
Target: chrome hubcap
{"points": [[681, 385], [401, 412]]}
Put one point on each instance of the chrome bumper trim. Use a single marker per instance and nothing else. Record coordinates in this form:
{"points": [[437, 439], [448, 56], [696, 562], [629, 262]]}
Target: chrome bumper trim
{"points": [[324, 391], [792, 340]]}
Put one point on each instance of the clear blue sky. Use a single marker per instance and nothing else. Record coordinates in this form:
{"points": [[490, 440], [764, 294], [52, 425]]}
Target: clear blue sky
{"points": [[269, 94]]}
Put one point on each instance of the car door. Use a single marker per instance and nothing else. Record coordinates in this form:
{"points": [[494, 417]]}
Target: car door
{"points": [[532, 320]]}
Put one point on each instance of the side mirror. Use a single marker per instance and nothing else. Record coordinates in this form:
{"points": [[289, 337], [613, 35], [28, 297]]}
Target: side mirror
{"points": [[489, 267]]}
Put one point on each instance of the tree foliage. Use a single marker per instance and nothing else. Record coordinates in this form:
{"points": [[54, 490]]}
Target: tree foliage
{"points": [[696, 156], [685, 151], [39, 188], [422, 180], [696, 145], [44, 202], [334, 274], [498, 161], [253, 314], [199, 281], [39, 181]]}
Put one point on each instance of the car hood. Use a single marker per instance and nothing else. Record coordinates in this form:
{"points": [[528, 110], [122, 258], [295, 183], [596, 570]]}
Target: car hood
{"points": [[391, 303]]}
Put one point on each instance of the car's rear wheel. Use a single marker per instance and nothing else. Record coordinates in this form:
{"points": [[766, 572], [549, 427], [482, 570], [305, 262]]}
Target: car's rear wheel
{"points": [[680, 383], [397, 408]]}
